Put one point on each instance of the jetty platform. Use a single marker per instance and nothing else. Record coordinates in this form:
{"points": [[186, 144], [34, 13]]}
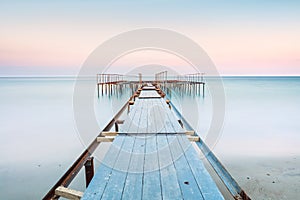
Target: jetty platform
{"points": [[151, 158], [154, 151]]}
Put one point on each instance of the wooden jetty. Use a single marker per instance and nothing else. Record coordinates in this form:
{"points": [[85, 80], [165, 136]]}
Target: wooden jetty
{"points": [[151, 156], [107, 84], [150, 160]]}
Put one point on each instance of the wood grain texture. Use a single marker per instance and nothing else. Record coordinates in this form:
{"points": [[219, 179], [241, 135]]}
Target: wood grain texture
{"points": [[68, 193], [154, 159]]}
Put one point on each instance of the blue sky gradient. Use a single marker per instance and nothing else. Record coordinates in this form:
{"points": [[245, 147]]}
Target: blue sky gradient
{"points": [[242, 37]]}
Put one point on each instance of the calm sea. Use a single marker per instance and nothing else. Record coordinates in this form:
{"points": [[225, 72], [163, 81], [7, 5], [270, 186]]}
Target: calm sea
{"points": [[39, 138]]}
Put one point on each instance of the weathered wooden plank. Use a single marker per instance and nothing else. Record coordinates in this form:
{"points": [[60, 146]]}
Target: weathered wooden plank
{"points": [[151, 185], [163, 112], [151, 117], [206, 184], [134, 181], [68, 193], [149, 94], [156, 168], [167, 118], [106, 139], [159, 123], [135, 119], [109, 133], [103, 174], [193, 138], [116, 183], [169, 181], [186, 179], [119, 121], [173, 121], [143, 119], [129, 119], [190, 132], [149, 88]]}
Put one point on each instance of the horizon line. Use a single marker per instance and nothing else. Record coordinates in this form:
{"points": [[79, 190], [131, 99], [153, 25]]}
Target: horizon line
{"points": [[221, 75]]}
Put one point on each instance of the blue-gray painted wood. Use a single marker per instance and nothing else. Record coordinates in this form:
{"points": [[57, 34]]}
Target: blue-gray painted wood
{"points": [[149, 94], [186, 179], [116, 183], [152, 120], [160, 127], [103, 174], [134, 181], [163, 112], [168, 176], [135, 119], [151, 184], [226, 178], [230, 183], [151, 116], [143, 119], [149, 87], [206, 184], [147, 165], [172, 118], [129, 119]]}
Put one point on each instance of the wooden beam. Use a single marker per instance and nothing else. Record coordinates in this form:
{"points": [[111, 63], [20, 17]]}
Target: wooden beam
{"points": [[68, 193], [105, 139], [190, 132], [193, 138], [120, 121], [108, 133]]}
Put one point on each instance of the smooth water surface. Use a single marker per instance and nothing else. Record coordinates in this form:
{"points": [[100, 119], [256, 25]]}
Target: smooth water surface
{"points": [[39, 138]]}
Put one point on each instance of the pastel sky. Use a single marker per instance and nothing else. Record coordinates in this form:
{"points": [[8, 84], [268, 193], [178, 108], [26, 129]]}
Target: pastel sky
{"points": [[242, 37]]}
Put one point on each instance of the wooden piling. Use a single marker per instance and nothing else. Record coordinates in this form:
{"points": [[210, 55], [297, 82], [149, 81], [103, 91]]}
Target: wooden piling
{"points": [[89, 170]]}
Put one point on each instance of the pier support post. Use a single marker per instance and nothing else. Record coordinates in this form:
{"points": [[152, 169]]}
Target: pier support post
{"points": [[89, 170], [116, 127]]}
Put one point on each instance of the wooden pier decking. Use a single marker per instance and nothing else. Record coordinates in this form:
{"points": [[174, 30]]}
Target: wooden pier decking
{"points": [[151, 158]]}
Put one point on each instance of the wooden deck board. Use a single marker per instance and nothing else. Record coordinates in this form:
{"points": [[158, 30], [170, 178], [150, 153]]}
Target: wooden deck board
{"points": [[163, 111], [206, 184], [135, 120], [129, 119], [116, 183], [149, 87], [162, 167], [143, 119], [152, 120], [151, 116], [173, 120], [186, 179], [134, 181], [152, 184], [168, 176], [149, 162], [149, 94], [102, 175], [159, 123]]}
